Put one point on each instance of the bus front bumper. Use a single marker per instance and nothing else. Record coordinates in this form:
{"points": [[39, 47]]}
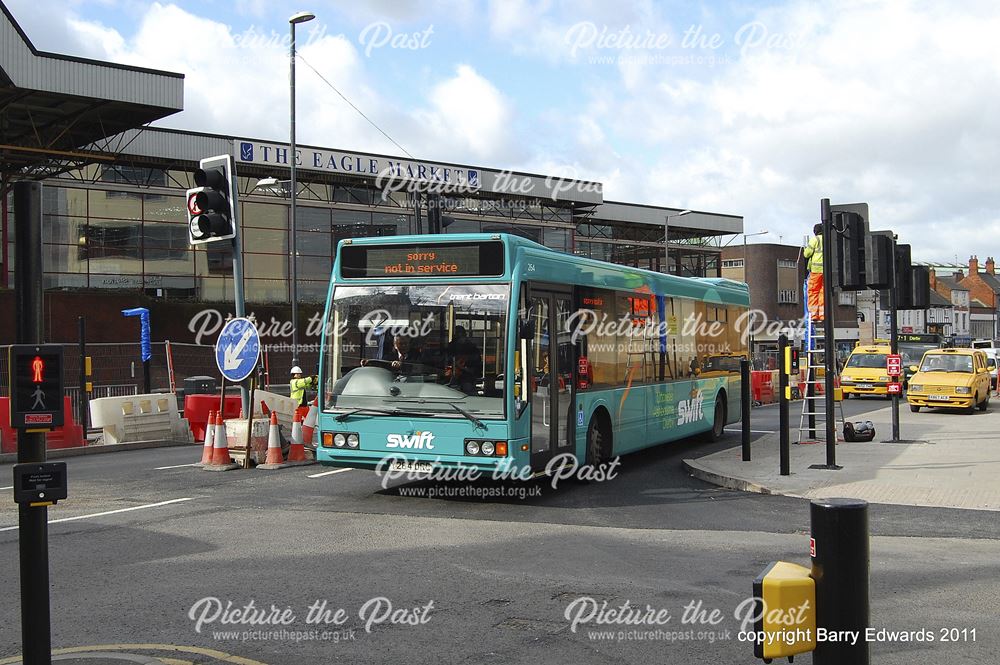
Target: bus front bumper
{"points": [[414, 462]]}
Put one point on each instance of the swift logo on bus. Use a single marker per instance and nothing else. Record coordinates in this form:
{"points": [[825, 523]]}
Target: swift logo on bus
{"points": [[691, 410], [416, 440]]}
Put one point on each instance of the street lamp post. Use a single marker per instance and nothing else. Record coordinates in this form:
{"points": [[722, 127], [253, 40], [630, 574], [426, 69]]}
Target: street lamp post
{"points": [[666, 239], [295, 19]]}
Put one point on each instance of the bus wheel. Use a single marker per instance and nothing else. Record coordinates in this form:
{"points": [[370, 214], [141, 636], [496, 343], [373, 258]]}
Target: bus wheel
{"points": [[598, 442], [719, 419], [914, 408]]}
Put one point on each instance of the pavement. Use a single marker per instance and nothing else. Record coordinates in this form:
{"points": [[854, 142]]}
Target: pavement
{"points": [[950, 460]]}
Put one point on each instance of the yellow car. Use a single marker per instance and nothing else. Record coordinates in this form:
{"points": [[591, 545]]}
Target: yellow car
{"points": [[952, 378], [865, 371]]}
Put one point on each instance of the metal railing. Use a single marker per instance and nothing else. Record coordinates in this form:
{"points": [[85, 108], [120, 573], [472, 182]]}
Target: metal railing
{"points": [[73, 392]]}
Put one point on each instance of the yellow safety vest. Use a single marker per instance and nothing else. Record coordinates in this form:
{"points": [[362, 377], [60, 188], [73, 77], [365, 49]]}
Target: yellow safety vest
{"points": [[297, 389], [814, 252]]}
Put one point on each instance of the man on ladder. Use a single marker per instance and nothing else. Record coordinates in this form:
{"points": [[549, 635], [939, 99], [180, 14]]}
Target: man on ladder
{"points": [[815, 382], [814, 263]]}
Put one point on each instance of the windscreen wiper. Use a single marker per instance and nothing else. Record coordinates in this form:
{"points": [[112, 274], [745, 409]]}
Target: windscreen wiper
{"points": [[385, 412], [475, 421]]}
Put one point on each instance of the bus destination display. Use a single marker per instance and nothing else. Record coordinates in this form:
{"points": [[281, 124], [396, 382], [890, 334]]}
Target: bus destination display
{"points": [[425, 260]]}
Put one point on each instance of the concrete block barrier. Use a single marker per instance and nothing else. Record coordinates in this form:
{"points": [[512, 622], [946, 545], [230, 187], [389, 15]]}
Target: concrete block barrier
{"points": [[150, 417]]}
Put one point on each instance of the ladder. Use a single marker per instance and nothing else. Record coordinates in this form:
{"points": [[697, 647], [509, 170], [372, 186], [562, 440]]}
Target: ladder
{"points": [[815, 405], [641, 352]]}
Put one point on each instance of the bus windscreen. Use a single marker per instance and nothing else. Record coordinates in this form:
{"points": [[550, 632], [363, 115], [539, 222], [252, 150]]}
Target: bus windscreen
{"points": [[422, 260]]}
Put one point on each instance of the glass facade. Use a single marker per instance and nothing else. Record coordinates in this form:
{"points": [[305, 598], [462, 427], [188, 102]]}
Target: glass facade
{"points": [[120, 227]]}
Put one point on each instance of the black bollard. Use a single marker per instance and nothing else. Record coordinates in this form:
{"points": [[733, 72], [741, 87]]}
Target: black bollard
{"points": [[745, 406], [840, 567], [783, 452]]}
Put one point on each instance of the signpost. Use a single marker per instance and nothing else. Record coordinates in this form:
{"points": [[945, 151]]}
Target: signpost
{"points": [[237, 351], [894, 364], [36, 397]]}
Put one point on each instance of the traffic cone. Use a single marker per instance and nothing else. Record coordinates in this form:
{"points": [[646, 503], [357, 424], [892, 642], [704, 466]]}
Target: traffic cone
{"points": [[309, 426], [221, 461], [274, 459], [297, 452], [207, 449]]}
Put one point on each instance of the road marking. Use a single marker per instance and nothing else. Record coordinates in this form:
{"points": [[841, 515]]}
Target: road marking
{"points": [[109, 512], [92, 651], [753, 431], [6, 488], [327, 473], [177, 466]]}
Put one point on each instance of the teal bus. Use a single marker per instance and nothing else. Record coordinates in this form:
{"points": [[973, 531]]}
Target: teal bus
{"points": [[492, 352]]}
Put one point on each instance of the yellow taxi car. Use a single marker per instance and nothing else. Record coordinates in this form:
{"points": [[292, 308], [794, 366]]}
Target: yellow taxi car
{"points": [[952, 378], [865, 372]]}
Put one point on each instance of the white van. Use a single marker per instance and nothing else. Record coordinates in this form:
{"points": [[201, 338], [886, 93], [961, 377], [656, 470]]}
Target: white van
{"points": [[989, 347]]}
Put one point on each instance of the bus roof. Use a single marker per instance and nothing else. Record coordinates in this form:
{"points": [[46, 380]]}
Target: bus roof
{"points": [[712, 289]]}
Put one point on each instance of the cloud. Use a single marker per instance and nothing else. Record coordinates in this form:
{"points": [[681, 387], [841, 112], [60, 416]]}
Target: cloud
{"points": [[877, 102], [468, 116]]}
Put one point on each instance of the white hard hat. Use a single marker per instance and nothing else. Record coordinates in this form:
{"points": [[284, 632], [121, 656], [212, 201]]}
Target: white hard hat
{"points": [[296, 370]]}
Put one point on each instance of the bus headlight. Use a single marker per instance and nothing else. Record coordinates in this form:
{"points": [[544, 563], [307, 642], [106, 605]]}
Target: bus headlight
{"points": [[963, 390], [487, 448], [916, 388], [352, 440], [883, 378], [472, 447], [339, 440]]}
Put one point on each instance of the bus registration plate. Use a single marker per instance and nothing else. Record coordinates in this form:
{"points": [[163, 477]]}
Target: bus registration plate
{"points": [[938, 398], [410, 467]]}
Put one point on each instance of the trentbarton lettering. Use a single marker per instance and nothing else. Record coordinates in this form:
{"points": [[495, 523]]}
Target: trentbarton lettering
{"points": [[422, 262]]}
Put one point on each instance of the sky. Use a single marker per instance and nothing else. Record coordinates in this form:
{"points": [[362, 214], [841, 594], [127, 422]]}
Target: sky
{"points": [[757, 109]]}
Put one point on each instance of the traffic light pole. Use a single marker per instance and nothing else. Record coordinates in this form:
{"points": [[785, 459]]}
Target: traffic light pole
{"points": [[894, 341], [238, 292], [33, 521], [829, 344]]}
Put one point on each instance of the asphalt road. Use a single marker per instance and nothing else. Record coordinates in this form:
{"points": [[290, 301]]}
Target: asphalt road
{"points": [[504, 574]]}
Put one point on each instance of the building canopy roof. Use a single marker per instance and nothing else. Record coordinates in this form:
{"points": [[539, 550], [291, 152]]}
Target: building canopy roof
{"points": [[53, 105]]}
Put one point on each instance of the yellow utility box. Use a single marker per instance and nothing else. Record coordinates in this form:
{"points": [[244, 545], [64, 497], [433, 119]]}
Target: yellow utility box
{"points": [[785, 622]]}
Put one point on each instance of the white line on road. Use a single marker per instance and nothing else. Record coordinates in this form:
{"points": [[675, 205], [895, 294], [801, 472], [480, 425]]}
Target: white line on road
{"points": [[327, 473], [753, 431], [6, 488], [176, 466], [109, 512]]}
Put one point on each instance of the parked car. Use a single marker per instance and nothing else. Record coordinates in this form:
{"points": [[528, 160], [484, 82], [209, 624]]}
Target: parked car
{"points": [[951, 378], [865, 371]]}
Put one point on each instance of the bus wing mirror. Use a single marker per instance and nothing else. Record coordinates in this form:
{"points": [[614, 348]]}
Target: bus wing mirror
{"points": [[914, 368]]}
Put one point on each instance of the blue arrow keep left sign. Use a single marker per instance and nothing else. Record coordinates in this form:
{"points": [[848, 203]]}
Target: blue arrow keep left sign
{"points": [[238, 349]]}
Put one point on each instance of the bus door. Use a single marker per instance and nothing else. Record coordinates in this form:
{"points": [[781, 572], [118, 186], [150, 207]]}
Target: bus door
{"points": [[551, 373]]}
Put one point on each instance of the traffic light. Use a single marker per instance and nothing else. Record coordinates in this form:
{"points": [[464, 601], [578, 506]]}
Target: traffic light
{"points": [[847, 254], [921, 278], [211, 205], [904, 278], [36, 385], [851, 230], [878, 260]]}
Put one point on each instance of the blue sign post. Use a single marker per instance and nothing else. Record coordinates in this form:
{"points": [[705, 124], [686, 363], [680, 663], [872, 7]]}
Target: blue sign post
{"points": [[238, 350]]}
